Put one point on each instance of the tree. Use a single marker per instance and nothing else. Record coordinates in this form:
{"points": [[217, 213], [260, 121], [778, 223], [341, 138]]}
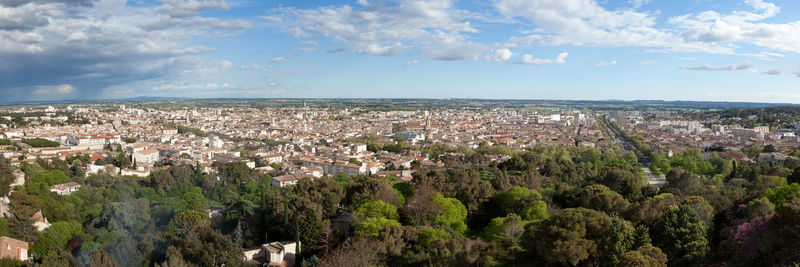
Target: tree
{"points": [[20, 225], [471, 190], [364, 252], [509, 226], [209, 247], [579, 236], [60, 258], [681, 235], [377, 209], [645, 256], [49, 177], [784, 233], [629, 184], [6, 177], [99, 258], [372, 226], [516, 199], [454, 214], [55, 239], [600, 197], [187, 221], [374, 189], [650, 210], [420, 208], [782, 194], [40, 142]]}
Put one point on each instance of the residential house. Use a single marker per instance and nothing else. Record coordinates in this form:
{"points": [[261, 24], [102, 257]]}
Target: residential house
{"points": [[40, 222], [15, 249], [273, 254], [288, 179], [65, 188]]}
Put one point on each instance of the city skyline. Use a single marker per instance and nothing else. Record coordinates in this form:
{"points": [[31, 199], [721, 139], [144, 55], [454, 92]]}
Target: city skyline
{"points": [[505, 49]]}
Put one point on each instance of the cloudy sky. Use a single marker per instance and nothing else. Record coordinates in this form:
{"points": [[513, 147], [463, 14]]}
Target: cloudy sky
{"points": [[730, 50]]}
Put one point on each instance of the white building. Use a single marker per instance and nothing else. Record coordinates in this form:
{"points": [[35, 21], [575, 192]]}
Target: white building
{"points": [[66, 188], [146, 156], [273, 254]]}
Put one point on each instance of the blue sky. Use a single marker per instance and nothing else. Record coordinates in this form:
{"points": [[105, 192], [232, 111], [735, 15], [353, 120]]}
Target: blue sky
{"points": [[725, 50]]}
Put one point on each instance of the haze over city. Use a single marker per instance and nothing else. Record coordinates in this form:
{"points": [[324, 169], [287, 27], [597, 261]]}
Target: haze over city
{"points": [[510, 49]]}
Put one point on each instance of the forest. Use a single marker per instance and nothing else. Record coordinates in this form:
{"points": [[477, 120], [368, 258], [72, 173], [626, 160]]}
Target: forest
{"points": [[547, 206]]}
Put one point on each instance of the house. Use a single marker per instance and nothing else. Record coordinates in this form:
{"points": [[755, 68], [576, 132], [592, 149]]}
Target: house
{"points": [[273, 254], [95, 169], [409, 136], [66, 188], [13, 249], [40, 222], [272, 158], [146, 156], [288, 179], [140, 171], [334, 168], [213, 212]]}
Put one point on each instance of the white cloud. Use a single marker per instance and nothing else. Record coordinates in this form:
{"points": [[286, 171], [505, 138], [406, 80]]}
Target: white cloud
{"points": [[54, 89], [777, 71], [515, 41], [386, 28], [741, 66], [96, 44], [796, 74], [587, 23], [605, 63], [377, 50], [713, 28], [252, 66], [501, 54], [649, 62], [638, 3], [278, 59], [458, 51], [185, 8], [412, 62], [530, 60]]}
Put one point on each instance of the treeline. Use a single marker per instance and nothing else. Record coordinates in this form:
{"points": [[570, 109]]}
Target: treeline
{"points": [[548, 206], [577, 206], [40, 142]]}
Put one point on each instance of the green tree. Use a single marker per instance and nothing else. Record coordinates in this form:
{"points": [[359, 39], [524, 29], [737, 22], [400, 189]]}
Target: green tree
{"points": [[453, 215], [209, 247], [187, 221], [377, 209], [645, 256], [784, 233], [681, 235], [600, 197], [580, 236], [55, 238], [781, 194], [99, 258], [372, 226]]}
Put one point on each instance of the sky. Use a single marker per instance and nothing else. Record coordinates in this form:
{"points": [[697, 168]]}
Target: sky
{"points": [[703, 50]]}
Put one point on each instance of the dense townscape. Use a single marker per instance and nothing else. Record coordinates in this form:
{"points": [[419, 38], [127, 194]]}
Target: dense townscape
{"points": [[397, 183]]}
